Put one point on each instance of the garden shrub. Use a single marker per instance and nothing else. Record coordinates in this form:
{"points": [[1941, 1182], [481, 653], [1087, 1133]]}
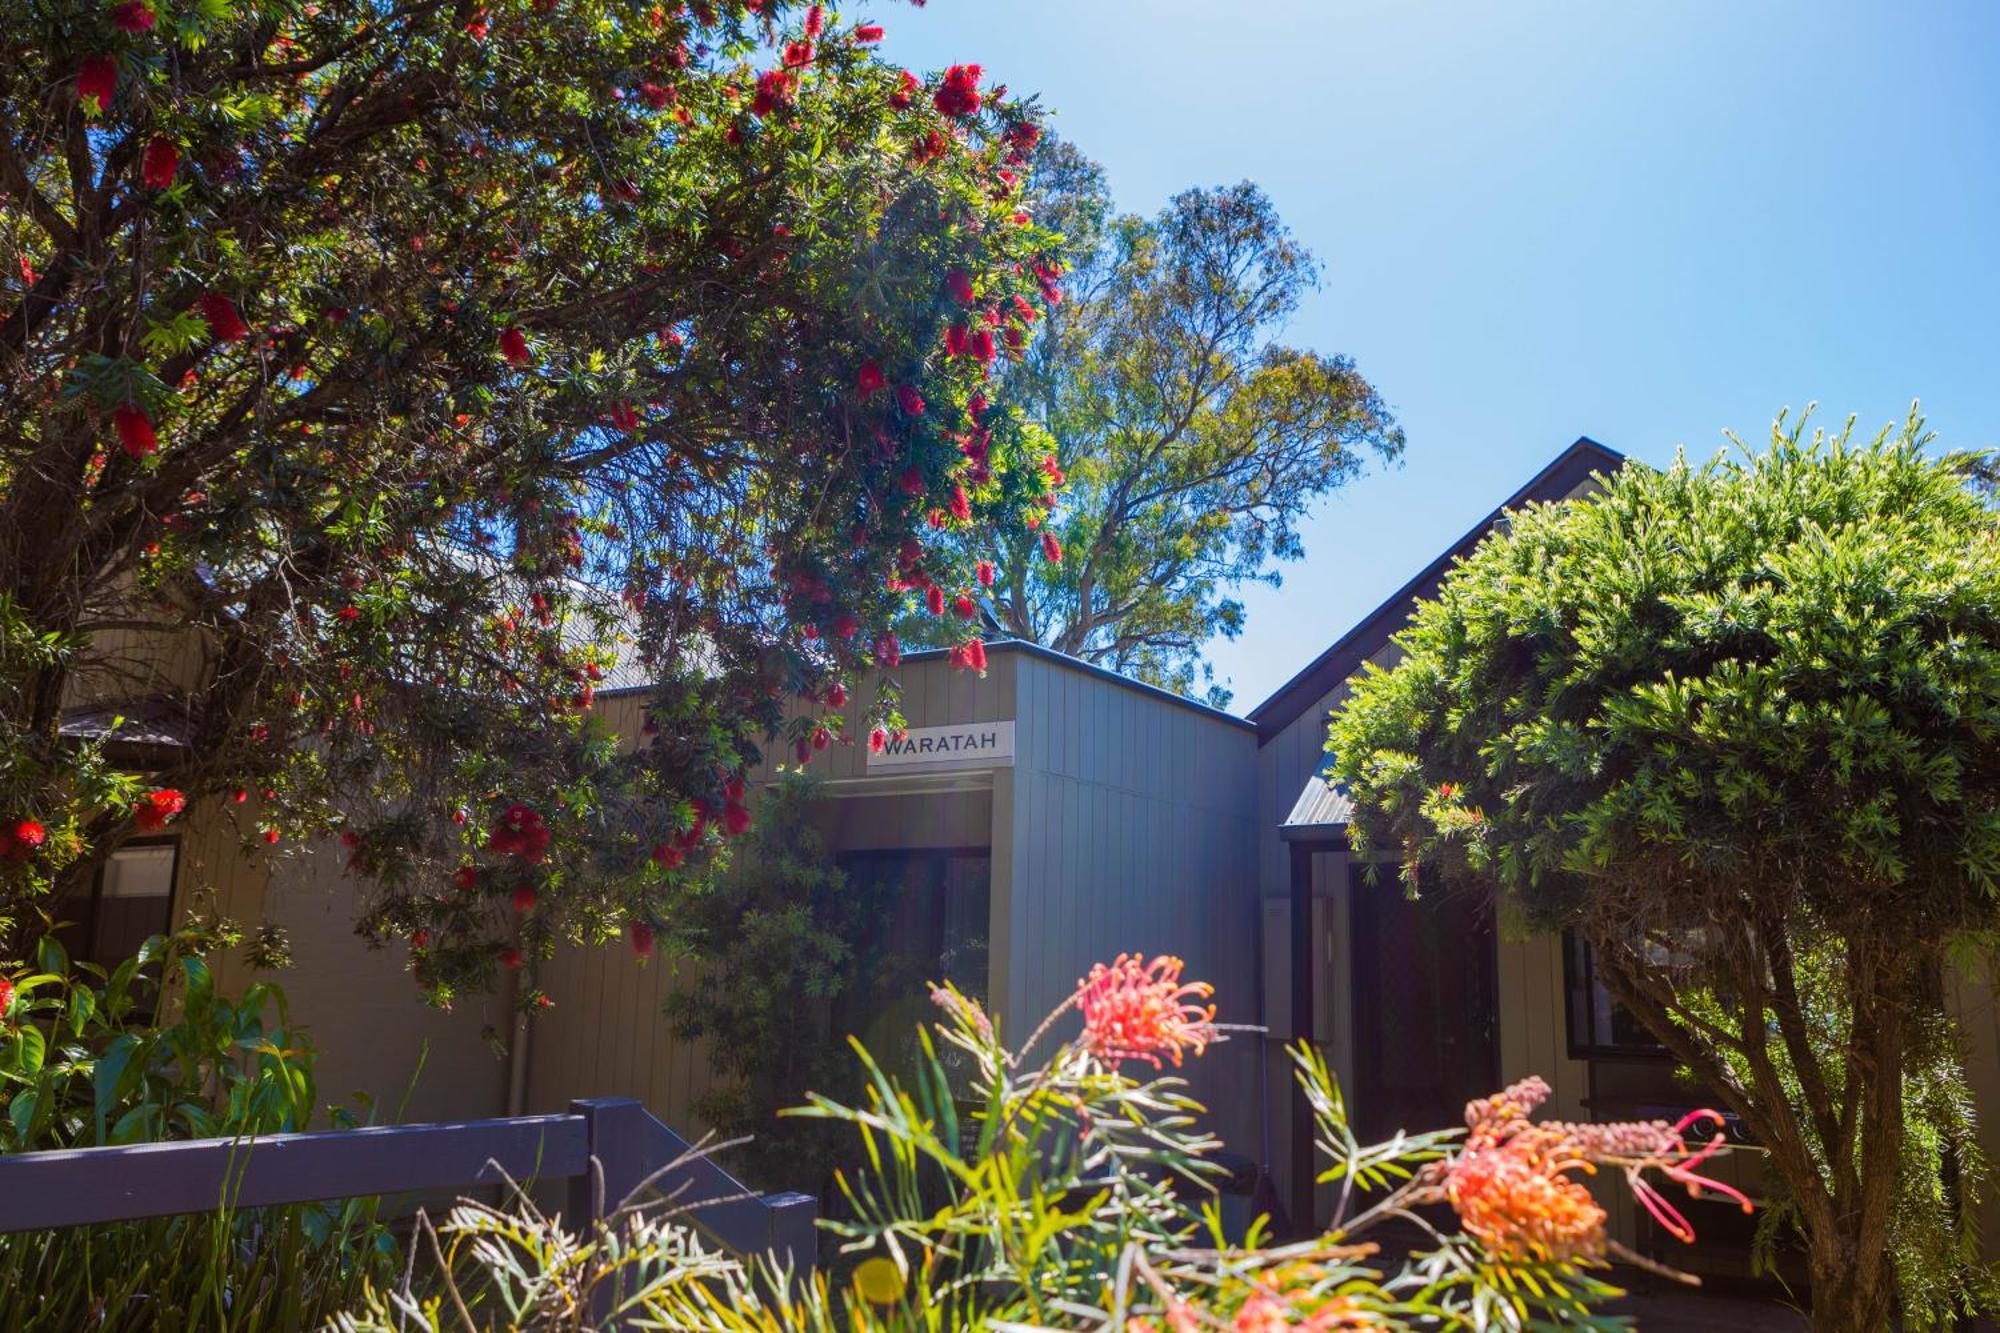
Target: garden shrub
{"points": [[1070, 1194], [148, 1051]]}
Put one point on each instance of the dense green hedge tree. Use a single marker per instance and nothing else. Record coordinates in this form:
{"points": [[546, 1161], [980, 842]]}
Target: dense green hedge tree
{"points": [[1742, 720], [408, 363]]}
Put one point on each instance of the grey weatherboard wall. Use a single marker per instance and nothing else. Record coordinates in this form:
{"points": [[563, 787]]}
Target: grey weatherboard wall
{"points": [[1132, 824]]}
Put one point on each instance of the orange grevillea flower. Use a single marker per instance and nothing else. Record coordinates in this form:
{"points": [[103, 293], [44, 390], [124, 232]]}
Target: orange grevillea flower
{"points": [[1135, 1010], [1519, 1198], [1515, 1186]]}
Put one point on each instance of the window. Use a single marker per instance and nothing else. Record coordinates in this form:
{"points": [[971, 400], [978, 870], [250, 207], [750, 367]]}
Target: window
{"points": [[132, 898], [1599, 1026], [938, 905]]}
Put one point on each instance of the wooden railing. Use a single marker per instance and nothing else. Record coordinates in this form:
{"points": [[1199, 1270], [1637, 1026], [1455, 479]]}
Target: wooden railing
{"points": [[78, 1186]]}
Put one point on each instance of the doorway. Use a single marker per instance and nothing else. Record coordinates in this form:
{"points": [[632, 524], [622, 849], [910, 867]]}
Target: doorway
{"points": [[1425, 1007]]}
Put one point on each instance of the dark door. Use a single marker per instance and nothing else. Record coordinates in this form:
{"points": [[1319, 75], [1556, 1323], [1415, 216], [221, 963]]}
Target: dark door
{"points": [[1424, 1007]]}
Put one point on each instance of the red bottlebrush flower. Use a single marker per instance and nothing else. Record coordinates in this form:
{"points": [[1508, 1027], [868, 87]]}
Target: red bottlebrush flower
{"points": [[964, 607], [735, 819], [18, 843], [511, 958], [655, 96], [1053, 471], [520, 832], [980, 345], [910, 400], [524, 900], [878, 740], [6, 996], [774, 89], [349, 613], [223, 320], [1135, 1010], [623, 417], [640, 934], [821, 738], [1014, 338], [888, 651], [846, 627], [934, 599], [955, 339], [975, 407], [836, 695], [135, 430], [958, 285], [420, 938], [1051, 548], [868, 32], [514, 346], [96, 82], [906, 90], [985, 572], [868, 381], [159, 163], [478, 26], [797, 54], [961, 504], [912, 481], [958, 95], [134, 16], [815, 20], [465, 878], [667, 856], [975, 656]]}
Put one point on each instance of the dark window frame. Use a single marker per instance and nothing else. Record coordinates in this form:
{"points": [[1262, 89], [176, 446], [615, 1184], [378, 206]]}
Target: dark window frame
{"points": [[845, 857], [91, 923], [1580, 986]]}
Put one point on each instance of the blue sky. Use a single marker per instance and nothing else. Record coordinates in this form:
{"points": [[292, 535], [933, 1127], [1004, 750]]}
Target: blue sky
{"points": [[1642, 222]]}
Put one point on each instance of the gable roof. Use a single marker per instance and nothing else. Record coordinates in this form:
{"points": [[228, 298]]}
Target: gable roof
{"points": [[1568, 470]]}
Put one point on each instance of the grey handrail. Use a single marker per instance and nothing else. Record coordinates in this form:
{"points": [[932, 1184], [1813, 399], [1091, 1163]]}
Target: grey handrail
{"points": [[79, 1186]]}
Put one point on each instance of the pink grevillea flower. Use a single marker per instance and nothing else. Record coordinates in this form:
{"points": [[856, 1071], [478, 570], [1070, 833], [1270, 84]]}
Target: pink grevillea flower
{"points": [[1136, 1010]]}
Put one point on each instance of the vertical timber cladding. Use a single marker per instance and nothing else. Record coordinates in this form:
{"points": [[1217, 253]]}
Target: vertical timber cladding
{"points": [[1133, 829]]}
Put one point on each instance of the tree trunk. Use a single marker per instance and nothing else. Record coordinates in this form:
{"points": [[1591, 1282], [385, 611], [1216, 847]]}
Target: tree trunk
{"points": [[1853, 1275], [1852, 1291]]}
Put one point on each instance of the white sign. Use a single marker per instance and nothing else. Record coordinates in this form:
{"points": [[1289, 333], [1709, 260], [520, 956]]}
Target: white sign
{"points": [[961, 745]]}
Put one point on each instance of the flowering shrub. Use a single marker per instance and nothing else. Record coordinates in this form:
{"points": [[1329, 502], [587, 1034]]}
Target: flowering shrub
{"points": [[405, 374], [1069, 1194]]}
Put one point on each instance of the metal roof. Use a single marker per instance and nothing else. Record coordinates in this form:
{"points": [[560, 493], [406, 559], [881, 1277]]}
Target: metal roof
{"points": [[1322, 808], [132, 724]]}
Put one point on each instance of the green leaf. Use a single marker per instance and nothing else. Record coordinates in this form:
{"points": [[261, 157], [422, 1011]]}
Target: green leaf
{"points": [[23, 1051], [108, 1078]]}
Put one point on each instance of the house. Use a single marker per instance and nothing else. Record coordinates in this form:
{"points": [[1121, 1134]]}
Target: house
{"points": [[1040, 819]]}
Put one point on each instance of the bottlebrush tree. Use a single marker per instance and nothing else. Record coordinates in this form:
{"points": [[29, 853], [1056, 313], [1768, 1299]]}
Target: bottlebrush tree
{"points": [[375, 380]]}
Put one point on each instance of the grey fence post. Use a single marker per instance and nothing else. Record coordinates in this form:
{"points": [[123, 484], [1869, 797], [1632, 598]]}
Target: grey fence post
{"points": [[794, 1233], [617, 1132]]}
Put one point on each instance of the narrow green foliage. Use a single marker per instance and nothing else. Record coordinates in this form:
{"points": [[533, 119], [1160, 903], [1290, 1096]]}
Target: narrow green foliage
{"points": [[1745, 716]]}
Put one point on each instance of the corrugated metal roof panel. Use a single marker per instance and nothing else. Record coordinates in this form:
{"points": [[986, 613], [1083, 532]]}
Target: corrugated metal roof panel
{"points": [[1320, 805]]}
